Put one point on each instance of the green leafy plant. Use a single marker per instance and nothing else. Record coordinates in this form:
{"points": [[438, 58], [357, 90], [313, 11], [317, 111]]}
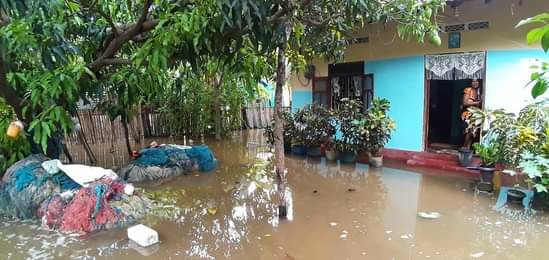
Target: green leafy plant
{"points": [[539, 79], [350, 118], [537, 169], [10, 150], [318, 128], [379, 126], [489, 154]]}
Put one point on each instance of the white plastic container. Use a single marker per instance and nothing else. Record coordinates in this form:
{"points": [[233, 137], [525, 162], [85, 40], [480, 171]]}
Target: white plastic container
{"points": [[142, 235]]}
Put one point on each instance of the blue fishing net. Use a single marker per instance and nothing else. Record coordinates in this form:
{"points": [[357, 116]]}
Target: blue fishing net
{"points": [[152, 157], [26, 185], [203, 156], [166, 161]]}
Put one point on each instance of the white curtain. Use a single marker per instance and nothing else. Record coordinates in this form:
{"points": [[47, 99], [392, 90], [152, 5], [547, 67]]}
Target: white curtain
{"points": [[455, 66]]}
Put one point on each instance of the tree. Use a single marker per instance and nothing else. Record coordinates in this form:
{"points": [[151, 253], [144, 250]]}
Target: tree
{"points": [[299, 30]]}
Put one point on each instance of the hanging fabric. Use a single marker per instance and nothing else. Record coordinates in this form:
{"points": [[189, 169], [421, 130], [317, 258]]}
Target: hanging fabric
{"points": [[440, 67], [455, 66], [469, 65]]}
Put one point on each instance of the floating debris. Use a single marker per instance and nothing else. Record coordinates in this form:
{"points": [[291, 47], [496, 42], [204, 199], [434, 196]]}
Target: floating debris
{"points": [[333, 224], [517, 241], [477, 254], [429, 215], [212, 210]]}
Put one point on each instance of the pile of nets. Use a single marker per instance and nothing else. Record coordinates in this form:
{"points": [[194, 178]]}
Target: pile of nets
{"points": [[26, 184], [168, 160], [28, 191], [102, 205]]}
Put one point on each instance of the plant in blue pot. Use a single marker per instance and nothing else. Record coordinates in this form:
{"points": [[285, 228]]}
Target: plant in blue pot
{"points": [[349, 117], [317, 128]]}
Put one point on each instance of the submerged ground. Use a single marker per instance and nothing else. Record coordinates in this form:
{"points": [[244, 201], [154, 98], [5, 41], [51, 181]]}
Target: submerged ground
{"points": [[337, 212]]}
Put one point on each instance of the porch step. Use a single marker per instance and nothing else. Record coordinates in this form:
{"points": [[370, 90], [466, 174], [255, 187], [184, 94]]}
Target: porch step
{"points": [[435, 156], [448, 166], [435, 161]]}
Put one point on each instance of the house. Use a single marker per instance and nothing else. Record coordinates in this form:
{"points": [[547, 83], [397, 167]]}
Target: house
{"points": [[425, 83]]}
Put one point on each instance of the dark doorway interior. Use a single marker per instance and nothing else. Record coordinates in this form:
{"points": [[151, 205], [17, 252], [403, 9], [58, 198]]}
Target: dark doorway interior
{"points": [[445, 125]]}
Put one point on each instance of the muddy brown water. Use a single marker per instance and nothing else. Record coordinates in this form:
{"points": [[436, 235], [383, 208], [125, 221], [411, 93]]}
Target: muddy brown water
{"points": [[337, 212]]}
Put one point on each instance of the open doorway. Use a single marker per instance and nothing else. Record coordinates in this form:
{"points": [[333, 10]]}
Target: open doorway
{"points": [[451, 80], [446, 128]]}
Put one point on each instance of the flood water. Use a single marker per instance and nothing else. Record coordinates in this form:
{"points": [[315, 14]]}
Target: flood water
{"points": [[336, 212]]}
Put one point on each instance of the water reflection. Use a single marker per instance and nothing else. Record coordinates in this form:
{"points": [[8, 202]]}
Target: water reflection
{"points": [[336, 211]]}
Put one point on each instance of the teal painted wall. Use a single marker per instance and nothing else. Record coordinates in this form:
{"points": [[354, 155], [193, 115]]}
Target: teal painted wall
{"points": [[507, 74], [401, 81], [301, 98]]}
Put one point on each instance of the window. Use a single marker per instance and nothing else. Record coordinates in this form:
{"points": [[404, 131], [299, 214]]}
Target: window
{"points": [[329, 91], [321, 93]]}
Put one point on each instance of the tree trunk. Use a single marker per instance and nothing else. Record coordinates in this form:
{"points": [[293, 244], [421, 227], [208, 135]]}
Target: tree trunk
{"points": [[279, 125]]}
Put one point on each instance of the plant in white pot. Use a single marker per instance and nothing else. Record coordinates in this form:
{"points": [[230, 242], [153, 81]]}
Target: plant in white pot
{"points": [[379, 129]]}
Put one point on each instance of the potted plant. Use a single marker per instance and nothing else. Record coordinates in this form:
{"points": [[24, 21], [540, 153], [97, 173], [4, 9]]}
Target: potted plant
{"points": [[329, 142], [330, 150], [298, 133], [317, 128], [379, 129], [489, 155], [350, 118]]}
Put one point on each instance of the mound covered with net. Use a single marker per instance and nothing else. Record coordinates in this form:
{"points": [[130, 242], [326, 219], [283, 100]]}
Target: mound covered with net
{"points": [[56, 193], [167, 161]]}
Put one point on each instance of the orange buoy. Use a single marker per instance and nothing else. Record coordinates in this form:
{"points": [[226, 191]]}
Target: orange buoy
{"points": [[14, 129]]}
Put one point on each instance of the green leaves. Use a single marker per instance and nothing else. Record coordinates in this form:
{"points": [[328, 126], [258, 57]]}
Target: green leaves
{"points": [[539, 34], [539, 88], [540, 18], [535, 35]]}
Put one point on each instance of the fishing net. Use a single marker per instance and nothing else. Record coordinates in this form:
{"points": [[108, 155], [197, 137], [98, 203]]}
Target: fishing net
{"points": [[29, 191], [166, 161], [204, 157], [24, 186]]}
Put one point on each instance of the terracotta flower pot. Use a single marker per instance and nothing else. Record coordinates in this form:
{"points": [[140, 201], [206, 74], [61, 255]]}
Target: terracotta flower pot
{"points": [[363, 157]]}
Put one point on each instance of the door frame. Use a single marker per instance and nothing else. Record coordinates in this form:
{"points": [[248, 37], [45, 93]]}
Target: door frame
{"points": [[427, 98]]}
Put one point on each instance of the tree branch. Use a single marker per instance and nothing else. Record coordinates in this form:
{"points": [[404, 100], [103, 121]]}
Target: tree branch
{"points": [[115, 61], [125, 36]]}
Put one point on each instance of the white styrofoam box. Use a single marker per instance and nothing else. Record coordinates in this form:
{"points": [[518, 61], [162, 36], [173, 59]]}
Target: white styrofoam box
{"points": [[142, 235], [144, 251]]}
